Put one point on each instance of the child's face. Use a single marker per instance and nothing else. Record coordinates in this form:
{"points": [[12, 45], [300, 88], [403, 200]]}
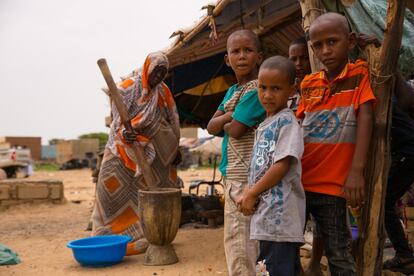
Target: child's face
{"points": [[274, 90], [298, 53], [331, 45], [243, 57]]}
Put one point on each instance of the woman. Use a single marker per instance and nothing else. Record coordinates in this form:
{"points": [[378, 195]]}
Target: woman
{"points": [[155, 122]]}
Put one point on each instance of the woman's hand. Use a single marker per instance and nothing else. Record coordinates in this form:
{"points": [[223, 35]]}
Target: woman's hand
{"points": [[129, 136]]}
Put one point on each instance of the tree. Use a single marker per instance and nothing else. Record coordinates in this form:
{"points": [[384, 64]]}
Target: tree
{"points": [[54, 141], [101, 136]]}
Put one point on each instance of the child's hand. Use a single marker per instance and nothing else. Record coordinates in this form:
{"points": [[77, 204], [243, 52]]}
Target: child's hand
{"points": [[364, 39], [354, 188], [229, 115], [246, 202]]}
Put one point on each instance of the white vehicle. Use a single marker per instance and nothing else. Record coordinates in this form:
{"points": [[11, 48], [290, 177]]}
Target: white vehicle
{"points": [[12, 160]]}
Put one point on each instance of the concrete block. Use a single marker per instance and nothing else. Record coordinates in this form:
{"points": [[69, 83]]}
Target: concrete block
{"points": [[32, 191], [8, 202], [58, 201], [56, 191], [38, 200], [4, 192], [13, 192]]}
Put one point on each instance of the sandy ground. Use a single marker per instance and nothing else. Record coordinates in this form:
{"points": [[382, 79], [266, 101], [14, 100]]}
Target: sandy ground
{"points": [[39, 234]]}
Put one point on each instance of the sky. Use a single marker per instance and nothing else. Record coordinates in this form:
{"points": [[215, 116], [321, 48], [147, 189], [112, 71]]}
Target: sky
{"points": [[50, 85]]}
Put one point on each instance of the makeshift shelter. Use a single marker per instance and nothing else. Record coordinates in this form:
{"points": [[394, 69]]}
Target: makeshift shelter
{"points": [[198, 75]]}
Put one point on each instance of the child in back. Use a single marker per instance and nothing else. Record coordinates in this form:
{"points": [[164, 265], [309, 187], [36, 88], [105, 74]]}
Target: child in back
{"points": [[237, 115], [337, 117], [275, 195], [298, 53]]}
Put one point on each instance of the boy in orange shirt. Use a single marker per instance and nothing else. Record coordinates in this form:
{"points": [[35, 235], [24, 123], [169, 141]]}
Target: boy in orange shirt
{"points": [[336, 108]]}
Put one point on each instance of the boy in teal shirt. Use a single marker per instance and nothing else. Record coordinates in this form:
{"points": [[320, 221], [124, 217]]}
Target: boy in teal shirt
{"points": [[237, 116]]}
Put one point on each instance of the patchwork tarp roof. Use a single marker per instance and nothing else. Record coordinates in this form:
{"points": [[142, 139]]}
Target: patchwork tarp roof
{"points": [[198, 76]]}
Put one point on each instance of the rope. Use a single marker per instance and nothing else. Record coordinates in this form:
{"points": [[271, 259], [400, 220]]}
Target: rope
{"points": [[307, 13], [241, 14], [378, 77]]}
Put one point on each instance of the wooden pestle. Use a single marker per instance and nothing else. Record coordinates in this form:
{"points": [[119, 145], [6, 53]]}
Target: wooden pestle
{"points": [[146, 171]]}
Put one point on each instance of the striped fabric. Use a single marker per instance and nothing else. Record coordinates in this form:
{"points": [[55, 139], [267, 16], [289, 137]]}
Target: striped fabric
{"points": [[149, 109], [239, 150], [329, 111], [155, 118]]}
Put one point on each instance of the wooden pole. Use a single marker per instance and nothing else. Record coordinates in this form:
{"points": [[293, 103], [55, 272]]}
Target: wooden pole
{"points": [[311, 9], [383, 64], [146, 171]]}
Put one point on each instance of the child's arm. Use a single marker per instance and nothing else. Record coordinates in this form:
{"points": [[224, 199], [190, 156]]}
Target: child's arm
{"points": [[355, 183], [247, 113], [270, 179], [216, 124], [235, 129]]}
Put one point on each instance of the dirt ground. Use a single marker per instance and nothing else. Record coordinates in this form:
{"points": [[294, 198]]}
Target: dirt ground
{"points": [[39, 234]]}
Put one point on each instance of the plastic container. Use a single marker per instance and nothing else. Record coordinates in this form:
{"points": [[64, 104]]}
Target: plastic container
{"points": [[354, 232], [99, 251]]}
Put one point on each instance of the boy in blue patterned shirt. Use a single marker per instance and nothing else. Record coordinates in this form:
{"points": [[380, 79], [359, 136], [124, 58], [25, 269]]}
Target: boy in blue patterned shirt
{"points": [[275, 196]]}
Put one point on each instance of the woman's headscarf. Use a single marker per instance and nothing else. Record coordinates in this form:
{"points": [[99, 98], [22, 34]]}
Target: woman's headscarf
{"points": [[146, 107], [148, 98], [152, 60]]}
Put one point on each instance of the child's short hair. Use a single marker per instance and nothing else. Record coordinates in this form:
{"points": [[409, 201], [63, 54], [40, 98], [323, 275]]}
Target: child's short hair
{"points": [[299, 41], [249, 33], [332, 17], [283, 64]]}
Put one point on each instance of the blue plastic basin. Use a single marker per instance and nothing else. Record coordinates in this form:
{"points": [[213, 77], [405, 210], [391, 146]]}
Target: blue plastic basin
{"points": [[99, 250]]}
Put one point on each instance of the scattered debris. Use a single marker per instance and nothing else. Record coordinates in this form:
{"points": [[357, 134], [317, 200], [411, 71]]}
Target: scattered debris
{"points": [[261, 269]]}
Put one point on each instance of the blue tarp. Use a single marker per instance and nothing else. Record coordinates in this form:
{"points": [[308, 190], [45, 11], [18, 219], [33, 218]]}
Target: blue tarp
{"points": [[368, 17]]}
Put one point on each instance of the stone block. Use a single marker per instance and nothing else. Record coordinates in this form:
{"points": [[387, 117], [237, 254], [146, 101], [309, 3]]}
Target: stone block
{"points": [[8, 202], [13, 192], [32, 191], [4, 192], [56, 191]]}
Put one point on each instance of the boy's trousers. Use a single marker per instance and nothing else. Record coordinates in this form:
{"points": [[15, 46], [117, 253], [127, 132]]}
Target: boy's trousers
{"points": [[330, 214], [282, 258], [241, 252]]}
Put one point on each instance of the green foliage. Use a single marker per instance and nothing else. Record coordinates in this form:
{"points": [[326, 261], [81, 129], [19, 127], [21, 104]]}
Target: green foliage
{"points": [[49, 167], [102, 136], [54, 141]]}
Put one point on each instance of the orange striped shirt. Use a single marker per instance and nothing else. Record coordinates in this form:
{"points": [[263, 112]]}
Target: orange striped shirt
{"points": [[329, 111]]}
